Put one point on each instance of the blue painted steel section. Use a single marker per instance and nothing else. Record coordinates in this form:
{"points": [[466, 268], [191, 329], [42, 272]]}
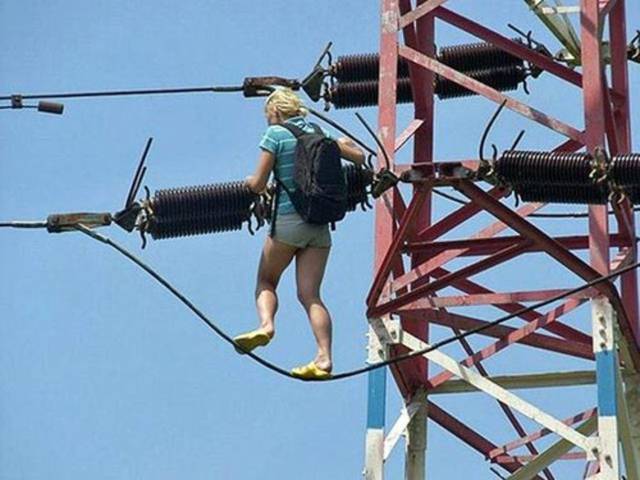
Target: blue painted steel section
{"points": [[376, 398], [606, 377]]}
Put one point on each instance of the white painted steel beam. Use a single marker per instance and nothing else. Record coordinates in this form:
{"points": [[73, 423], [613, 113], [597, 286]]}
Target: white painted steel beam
{"points": [[399, 428], [607, 365], [629, 449], [555, 451], [416, 444], [500, 394], [517, 382]]}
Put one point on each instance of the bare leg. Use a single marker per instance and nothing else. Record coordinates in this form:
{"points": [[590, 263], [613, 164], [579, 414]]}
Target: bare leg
{"points": [[310, 266], [275, 258]]}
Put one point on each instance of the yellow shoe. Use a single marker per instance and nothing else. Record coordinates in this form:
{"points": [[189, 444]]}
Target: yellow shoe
{"points": [[250, 340], [310, 371]]}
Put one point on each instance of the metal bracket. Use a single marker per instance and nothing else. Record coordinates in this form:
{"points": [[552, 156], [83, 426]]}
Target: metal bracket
{"points": [[385, 332], [66, 222], [263, 86]]}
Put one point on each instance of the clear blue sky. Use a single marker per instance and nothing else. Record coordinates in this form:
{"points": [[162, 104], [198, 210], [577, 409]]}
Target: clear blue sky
{"points": [[105, 376]]}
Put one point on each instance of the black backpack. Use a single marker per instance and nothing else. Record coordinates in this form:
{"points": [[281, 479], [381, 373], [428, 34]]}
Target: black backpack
{"points": [[320, 192]]}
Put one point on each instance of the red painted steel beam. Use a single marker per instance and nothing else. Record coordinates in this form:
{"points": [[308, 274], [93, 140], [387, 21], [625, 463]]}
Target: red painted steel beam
{"points": [[473, 269], [555, 250], [487, 246], [535, 340], [395, 206], [512, 47], [530, 231], [494, 299], [490, 93], [393, 249], [581, 417], [391, 205], [417, 13], [621, 112], [606, 6], [384, 217], [528, 458], [421, 81], [422, 268], [508, 340], [407, 133], [458, 217], [421, 37], [465, 433], [612, 130], [508, 45], [558, 328], [595, 122], [508, 412]]}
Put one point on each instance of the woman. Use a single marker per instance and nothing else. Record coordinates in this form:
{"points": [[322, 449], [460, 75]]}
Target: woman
{"points": [[293, 238]]}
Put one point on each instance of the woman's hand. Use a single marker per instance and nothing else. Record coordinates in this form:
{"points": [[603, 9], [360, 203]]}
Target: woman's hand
{"points": [[350, 151]]}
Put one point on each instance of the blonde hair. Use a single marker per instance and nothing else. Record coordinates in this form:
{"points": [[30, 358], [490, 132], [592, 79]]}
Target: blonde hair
{"points": [[285, 102]]}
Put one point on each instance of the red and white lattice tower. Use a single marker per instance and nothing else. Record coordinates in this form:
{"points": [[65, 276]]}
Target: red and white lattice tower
{"points": [[411, 267]]}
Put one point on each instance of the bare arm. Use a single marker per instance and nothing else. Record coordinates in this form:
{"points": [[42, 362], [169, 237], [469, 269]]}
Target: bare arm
{"points": [[258, 181], [350, 151]]}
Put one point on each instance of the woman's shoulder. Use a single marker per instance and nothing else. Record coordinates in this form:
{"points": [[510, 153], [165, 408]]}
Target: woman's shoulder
{"points": [[277, 131]]}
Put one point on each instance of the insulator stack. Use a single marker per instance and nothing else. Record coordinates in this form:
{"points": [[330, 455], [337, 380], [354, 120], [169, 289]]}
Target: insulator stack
{"points": [[180, 212], [561, 177], [358, 179], [578, 194], [464, 58], [558, 168], [477, 56], [357, 75], [360, 67], [624, 170], [222, 207], [365, 93], [503, 79]]}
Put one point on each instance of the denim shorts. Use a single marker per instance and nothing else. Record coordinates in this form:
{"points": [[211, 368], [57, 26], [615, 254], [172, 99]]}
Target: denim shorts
{"points": [[294, 231]]}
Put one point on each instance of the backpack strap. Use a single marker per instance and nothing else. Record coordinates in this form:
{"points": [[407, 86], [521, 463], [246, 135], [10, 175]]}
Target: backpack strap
{"points": [[317, 129], [294, 129], [274, 206]]}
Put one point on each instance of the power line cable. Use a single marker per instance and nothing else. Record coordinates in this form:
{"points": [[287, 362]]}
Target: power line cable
{"points": [[340, 376], [121, 93], [240, 88]]}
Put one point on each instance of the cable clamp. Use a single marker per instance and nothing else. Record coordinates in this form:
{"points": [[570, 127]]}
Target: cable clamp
{"points": [[263, 86], [66, 222], [16, 101]]}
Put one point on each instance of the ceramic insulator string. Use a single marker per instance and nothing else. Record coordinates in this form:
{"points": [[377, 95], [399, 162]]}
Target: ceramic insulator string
{"points": [[574, 194], [222, 207], [557, 168], [196, 210], [504, 79], [365, 93], [561, 177], [625, 169], [464, 58]]}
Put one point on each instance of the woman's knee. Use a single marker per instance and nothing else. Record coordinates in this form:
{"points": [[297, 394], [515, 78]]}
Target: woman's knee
{"points": [[265, 286], [308, 298]]}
